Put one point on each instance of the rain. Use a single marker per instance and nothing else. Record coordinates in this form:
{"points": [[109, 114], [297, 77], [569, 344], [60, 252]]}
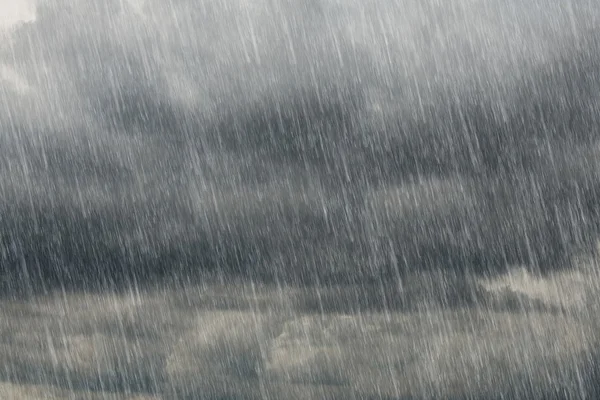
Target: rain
{"points": [[299, 199]]}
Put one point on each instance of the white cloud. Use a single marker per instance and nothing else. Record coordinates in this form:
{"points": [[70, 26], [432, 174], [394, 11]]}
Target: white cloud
{"points": [[13, 79], [15, 12]]}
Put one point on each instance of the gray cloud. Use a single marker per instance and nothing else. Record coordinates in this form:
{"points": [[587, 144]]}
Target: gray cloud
{"points": [[328, 139]]}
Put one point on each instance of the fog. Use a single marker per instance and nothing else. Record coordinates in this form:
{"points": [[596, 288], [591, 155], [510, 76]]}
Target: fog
{"points": [[374, 158]]}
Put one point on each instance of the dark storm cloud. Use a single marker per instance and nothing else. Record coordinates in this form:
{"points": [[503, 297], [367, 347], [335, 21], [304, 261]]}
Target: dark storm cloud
{"points": [[328, 139]]}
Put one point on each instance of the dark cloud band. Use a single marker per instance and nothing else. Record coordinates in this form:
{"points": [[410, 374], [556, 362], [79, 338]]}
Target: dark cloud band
{"points": [[321, 142]]}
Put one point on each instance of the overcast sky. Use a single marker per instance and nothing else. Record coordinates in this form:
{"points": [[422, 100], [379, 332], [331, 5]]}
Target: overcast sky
{"points": [[317, 132]]}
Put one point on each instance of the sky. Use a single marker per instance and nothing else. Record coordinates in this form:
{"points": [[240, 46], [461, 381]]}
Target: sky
{"points": [[16, 12], [437, 162], [330, 140]]}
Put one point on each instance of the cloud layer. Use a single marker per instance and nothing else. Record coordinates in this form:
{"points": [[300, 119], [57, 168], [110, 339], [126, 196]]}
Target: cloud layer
{"points": [[325, 140]]}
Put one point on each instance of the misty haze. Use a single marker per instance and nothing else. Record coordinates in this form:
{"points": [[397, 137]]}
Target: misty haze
{"points": [[299, 199]]}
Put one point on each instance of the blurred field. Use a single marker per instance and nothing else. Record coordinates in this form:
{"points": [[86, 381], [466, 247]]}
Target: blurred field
{"points": [[518, 336]]}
